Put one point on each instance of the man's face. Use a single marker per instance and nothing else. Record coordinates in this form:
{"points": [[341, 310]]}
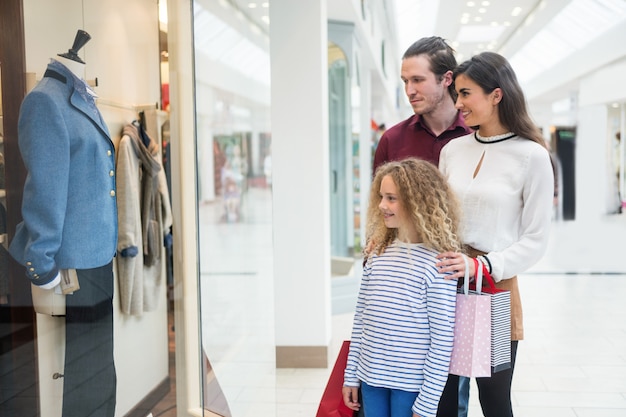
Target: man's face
{"points": [[422, 87]]}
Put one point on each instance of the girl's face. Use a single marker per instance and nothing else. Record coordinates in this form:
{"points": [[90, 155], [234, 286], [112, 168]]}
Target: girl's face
{"points": [[390, 206], [478, 108]]}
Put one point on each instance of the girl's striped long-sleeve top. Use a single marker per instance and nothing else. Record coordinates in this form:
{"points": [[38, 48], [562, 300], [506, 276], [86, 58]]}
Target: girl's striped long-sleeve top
{"points": [[403, 325]]}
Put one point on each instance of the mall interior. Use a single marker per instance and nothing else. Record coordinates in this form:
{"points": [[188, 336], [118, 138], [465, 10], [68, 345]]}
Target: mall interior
{"points": [[266, 116]]}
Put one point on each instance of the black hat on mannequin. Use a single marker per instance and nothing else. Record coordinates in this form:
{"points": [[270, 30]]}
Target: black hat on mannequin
{"points": [[80, 40]]}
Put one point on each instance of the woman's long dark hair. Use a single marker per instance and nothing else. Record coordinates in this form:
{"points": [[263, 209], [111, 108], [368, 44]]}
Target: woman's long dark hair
{"points": [[490, 71]]}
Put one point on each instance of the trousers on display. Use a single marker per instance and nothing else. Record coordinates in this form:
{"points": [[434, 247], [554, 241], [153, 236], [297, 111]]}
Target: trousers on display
{"points": [[89, 377]]}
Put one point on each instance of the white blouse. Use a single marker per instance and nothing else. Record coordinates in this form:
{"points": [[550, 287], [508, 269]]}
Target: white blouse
{"points": [[506, 202]]}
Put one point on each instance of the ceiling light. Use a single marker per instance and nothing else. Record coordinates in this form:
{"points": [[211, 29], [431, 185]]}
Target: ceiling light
{"points": [[471, 4], [478, 19], [252, 5], [516, 11], [485, 3], [479, 33], [482, 10], [266, 19], [265, 4]]}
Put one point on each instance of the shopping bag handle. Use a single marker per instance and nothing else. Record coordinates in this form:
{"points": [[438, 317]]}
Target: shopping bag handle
{"points": [[466, 280], [479, 277], [482, 274]]}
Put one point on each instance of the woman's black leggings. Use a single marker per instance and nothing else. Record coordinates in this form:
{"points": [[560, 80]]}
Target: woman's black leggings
{"points": [[494, 393]]}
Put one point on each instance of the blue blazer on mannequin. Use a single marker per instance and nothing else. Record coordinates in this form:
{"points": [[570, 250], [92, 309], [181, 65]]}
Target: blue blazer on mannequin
{"points": [[69, 205]]}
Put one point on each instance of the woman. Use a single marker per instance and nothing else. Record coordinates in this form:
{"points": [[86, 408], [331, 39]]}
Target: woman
{"points": [[503, 177], [404, 320]]}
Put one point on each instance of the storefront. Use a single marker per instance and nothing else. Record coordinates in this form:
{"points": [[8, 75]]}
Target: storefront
{"points": [[229, 165], [123, 64]]}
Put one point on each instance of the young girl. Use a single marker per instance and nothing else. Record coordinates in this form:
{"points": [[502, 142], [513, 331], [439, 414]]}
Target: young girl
{"points": [[403, 325]]}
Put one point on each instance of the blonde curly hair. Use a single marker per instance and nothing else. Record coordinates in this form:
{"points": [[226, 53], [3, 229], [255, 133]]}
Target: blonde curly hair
{"points": [[425, 194]]}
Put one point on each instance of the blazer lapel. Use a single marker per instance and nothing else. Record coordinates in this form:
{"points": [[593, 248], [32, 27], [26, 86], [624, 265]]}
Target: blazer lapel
{"points": [[86, 104]]}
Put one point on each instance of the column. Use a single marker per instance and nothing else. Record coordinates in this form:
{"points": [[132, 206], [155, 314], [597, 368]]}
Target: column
{"points": [[301, 219]]}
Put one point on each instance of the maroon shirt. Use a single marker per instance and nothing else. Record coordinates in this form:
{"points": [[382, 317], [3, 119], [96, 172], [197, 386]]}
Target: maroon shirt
{"points": [[410, 138]]}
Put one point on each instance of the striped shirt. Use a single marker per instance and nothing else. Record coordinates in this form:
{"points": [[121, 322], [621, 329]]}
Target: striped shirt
{"points": [[403, 325]]}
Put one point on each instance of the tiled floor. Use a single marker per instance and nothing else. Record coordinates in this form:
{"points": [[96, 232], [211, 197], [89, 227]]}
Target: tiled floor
{"points": [[571, 364]]}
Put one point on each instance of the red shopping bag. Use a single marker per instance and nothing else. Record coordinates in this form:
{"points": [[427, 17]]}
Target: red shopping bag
{"points": [[332, 404], [482, 329]]}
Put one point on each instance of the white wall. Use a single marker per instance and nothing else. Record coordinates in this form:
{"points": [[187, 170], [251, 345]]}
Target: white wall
{"points": [[593, 242], [123, 55]]}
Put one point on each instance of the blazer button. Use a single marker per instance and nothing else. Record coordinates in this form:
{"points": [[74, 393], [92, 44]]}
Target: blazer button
{"points": [[112, 193], [111, 173]]}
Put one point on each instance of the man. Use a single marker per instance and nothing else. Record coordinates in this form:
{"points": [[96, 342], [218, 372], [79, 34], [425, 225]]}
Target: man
{"points": [[427, 75], [426, 71]]}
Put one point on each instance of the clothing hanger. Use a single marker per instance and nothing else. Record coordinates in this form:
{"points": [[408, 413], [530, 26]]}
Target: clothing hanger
{"points": [[141, 127]]}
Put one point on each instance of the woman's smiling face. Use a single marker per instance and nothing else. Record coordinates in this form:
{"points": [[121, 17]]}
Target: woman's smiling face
{"points": [[477, 107]]}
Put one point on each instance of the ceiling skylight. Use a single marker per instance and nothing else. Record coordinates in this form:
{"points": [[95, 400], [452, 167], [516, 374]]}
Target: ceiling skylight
{"points": [[573, 28], [221, 43]]}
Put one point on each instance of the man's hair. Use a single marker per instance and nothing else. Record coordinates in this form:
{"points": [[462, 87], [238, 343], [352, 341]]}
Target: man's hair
{"points": [[439, 54]]}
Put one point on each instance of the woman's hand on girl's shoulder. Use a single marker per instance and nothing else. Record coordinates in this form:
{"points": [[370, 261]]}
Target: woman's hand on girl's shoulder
{"points": [[454, 264]]}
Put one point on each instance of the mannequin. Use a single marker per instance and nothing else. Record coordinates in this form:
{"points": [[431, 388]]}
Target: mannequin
{"points": [[69, 212], [71, 59], [76, 65], [77, 68]]}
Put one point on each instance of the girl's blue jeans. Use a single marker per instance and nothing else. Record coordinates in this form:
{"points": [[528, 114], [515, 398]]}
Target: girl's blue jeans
{"points": [[385, 402]]}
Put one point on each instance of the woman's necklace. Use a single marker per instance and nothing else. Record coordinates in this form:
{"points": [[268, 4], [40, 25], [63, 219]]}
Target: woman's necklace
{"points": [[493, 139]]}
